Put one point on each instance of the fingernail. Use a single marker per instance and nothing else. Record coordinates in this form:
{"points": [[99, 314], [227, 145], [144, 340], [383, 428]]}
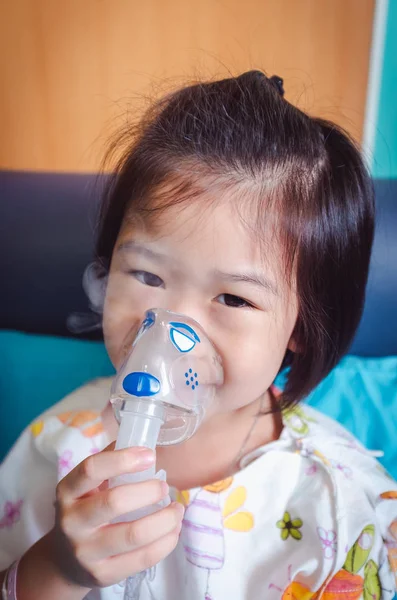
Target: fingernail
{"points": [[145, 456], [180, 509], [165, 488]]}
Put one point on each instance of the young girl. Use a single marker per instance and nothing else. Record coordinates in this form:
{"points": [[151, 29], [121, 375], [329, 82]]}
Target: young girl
{"points": [[231, 206]]}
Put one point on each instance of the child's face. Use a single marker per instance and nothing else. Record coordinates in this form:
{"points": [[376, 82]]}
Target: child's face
{"points": [[206, 264]]}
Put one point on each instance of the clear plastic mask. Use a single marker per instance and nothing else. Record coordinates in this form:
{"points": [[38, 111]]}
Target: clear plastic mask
{"points": [[167, 382]]}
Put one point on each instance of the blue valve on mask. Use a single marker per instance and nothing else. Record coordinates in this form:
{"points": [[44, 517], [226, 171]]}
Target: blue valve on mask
{"points": [[161, 393]]}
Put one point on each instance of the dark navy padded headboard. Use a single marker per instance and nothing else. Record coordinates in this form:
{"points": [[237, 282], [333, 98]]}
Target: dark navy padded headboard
{"points": [[47, 223], [377, 334], [47, 226]]}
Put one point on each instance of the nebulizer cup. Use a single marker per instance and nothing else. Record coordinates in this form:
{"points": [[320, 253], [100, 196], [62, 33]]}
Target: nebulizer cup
{"points": [[161, 394]]}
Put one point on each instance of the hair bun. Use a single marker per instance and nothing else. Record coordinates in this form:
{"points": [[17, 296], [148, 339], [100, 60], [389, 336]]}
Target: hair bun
{"points": [[278, 83], [275, 81]]}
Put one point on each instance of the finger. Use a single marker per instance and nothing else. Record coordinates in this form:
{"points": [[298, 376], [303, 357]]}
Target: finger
{"points": [[118, 568], [120, 538], [95, 469], [106, 505]]}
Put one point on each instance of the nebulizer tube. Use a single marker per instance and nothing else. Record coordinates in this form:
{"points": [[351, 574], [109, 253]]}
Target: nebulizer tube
{"points": [[160, 396]]}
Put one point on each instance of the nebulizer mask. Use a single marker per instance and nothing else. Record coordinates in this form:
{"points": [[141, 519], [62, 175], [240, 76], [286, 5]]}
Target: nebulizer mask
{"points": [[161, 393]]}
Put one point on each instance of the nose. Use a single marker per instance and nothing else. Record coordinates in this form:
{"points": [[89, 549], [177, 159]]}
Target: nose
{"points": [[191, 309], [202, 315]]}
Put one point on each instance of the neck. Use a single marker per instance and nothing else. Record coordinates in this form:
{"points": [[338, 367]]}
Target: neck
{"points": [[214, 452]]}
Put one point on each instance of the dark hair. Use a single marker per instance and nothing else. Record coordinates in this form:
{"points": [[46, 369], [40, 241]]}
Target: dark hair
{"points": [[241, 130]]}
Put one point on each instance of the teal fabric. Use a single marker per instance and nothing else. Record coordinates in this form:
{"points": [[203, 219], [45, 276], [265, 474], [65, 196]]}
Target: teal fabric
{"points": [[361, 393], [38, 371]]}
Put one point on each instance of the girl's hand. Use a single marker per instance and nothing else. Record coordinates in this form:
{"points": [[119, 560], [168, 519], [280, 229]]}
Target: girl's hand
{"points": [[89, 550]]}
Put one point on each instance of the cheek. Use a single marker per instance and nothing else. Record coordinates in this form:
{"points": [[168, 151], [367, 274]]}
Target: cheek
{"points": [[252, 363], [121, 319], [249, 373]]}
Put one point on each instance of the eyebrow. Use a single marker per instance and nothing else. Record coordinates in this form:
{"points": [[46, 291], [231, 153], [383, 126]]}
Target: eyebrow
{"points": [[252, 278], [144, 251]]}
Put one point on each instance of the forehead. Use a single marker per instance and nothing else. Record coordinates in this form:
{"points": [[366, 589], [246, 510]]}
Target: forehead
{"points": [[210, 231]]}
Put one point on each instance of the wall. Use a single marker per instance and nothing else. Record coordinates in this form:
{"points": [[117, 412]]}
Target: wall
{"points": [[69, 69]]}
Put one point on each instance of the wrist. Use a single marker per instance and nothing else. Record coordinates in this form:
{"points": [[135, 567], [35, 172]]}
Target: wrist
{"points": [[8, 587], [39, 576]]}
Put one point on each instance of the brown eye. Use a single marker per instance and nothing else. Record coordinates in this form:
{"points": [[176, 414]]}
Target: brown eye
{"points": [[148, 278], [233, 301]]}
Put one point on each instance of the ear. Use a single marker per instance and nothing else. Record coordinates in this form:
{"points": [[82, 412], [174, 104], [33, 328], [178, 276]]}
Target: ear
{"points": [[95, 280], [293, 344]]}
